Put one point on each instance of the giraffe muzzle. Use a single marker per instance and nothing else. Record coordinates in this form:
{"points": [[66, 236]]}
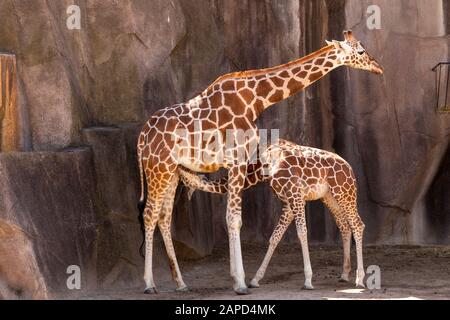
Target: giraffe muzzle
{"points": [[377, 68]]}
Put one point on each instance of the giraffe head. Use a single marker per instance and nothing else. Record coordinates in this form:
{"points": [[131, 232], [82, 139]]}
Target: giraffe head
{"points": [[354, 55]]}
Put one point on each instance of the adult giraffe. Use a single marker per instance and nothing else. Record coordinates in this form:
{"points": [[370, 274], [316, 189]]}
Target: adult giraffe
{"points": [[182, 135]]}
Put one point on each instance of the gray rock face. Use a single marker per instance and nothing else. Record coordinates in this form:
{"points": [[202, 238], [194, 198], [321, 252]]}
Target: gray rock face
{"points": [[114, 153], [48, 220], [94, 88]]}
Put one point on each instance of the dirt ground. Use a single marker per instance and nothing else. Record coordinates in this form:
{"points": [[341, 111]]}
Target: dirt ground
{"points": [[407, 272]]}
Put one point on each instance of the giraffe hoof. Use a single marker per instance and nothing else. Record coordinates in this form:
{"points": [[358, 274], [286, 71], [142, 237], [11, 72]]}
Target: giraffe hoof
{"points": [[343, 279], [242, 291], [254, 284], [184, 288], [308, 287], [150, 291], [360, 285]]}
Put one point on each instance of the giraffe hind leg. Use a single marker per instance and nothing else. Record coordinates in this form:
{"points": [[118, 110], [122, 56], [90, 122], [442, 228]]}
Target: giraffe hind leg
{"points": [[348, 204], [344, 228], [164, 224], [158, 182]]}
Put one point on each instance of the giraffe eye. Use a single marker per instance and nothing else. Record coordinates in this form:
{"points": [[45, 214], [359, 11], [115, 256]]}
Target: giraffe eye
{"points": [[360, 52]]}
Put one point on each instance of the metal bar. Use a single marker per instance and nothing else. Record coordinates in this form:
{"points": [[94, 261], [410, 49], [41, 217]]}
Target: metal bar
{"points": [[446, 90], [438, 87], [440, 63]]}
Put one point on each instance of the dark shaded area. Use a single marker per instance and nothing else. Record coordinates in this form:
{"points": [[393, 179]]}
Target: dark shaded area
{"points": [[437, 203]]}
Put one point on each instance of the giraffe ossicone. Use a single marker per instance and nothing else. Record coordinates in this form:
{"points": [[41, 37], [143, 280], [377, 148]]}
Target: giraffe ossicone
{"points": [[232, 102]]}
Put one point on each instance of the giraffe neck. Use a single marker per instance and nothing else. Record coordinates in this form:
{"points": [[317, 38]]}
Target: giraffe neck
{"points": [[287, 80], [260, 89]]}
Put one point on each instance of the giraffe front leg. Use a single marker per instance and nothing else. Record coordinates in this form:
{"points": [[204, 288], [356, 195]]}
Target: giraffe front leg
{"points": [[358, 228], [284, 222], [234, 223], [302, 232], [346, 235]]}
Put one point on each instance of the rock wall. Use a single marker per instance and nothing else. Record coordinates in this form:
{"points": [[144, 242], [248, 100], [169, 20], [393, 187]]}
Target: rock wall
{"points": [[388, 128], [82, 96], [48, 217]]}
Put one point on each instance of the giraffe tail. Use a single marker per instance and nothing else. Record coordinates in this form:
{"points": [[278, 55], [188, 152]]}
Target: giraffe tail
{"points": [[141, 203]]}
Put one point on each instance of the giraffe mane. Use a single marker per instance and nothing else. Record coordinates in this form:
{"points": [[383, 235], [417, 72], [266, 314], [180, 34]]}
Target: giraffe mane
{"points": [[258, 72]]}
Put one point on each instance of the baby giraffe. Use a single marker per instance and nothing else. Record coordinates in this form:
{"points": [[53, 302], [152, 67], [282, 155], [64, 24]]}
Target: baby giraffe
{"points": [[298, 174]]}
